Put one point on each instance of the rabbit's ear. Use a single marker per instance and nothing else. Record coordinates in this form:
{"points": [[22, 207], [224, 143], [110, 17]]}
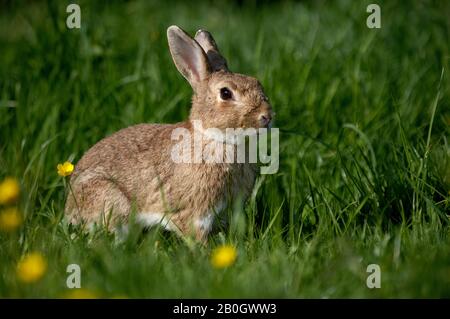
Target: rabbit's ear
{"points": [[189, 57], [216, 60]]}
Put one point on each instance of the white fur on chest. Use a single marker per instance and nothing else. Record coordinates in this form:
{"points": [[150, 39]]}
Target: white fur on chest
{"points": [[206, 222]]}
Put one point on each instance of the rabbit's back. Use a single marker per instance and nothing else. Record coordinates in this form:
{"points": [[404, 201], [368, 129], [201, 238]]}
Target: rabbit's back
{"points": [[135, 145], [123, 168]]}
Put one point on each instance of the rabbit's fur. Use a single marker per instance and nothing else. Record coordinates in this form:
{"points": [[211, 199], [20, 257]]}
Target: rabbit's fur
{"points": [[132, 170]]}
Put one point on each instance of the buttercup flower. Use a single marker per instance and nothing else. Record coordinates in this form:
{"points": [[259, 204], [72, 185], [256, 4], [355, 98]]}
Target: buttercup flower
{"points": [[224, 256], [9, 190], [10, 219], [31, 268], [65, 169], [80, 293]]}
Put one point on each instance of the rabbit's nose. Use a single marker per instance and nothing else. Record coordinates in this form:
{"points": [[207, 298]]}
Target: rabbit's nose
{"points": [[265, 119]]}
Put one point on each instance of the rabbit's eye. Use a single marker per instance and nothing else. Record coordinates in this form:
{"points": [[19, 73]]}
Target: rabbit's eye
{"points": [[225, 94]]}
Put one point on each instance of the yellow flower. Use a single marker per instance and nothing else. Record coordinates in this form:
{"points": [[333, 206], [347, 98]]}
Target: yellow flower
{"points": [[223, 256], [9, 190], [31, 268], [80, 293], [10, 219], [65, 169]]}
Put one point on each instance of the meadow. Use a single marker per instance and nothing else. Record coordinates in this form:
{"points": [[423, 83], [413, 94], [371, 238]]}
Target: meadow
{"points": [[364, 173]]}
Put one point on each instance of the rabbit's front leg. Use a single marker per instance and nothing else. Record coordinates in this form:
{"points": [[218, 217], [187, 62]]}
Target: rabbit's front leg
{"points": [[203, 226], [191, 224]]}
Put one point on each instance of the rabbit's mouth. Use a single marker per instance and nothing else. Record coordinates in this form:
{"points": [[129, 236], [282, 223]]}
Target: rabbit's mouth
{"points": [[265, 119]]}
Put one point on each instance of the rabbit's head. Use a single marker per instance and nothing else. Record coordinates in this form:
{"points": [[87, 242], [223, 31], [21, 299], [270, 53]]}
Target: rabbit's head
{"points": [[222, 99]]}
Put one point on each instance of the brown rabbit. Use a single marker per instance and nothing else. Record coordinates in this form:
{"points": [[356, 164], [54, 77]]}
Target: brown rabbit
{"points": [[133, 169]]}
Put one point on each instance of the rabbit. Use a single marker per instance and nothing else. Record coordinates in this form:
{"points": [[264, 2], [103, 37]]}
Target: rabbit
{"points": [[132, 170]]}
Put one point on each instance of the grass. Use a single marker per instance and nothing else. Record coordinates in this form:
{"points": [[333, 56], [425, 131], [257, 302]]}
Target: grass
{"points": [[364, 172]]}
